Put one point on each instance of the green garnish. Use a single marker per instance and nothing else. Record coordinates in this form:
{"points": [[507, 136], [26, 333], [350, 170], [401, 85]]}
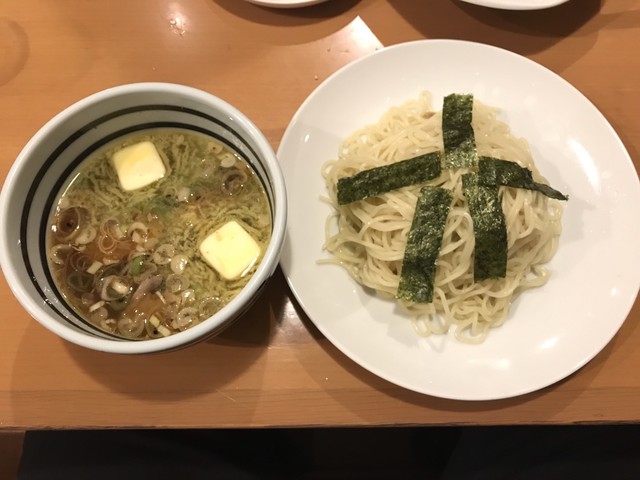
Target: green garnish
{"points": [[161, 205], [457, 131], [136, 265], [80, 282], [423, 245], [489, 228], [432, 208], [503, 172], [379, 180], [120, 304]]}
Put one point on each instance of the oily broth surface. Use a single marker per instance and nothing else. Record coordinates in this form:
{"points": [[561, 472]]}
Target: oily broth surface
{"points": [[152, 235]]}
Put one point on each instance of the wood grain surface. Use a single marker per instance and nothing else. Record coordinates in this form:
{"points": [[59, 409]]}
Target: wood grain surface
{"points": [[273, 367]]}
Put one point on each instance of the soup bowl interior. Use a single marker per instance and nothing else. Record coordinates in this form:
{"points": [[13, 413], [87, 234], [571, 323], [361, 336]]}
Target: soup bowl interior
{"points": [[43, 168]]}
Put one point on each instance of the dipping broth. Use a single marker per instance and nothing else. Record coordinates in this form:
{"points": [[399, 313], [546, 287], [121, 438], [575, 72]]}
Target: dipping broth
{"points": [[156, 232]]}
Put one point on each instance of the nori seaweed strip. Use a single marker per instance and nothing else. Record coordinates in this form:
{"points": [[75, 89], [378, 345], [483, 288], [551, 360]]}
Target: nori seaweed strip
{"points": [[457, 131], [489, 228], [504, 172], [423, 245], [378, 180]]}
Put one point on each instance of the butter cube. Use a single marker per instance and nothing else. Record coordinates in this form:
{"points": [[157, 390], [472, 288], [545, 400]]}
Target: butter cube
{"points": [[230, 250], [138, 165]]}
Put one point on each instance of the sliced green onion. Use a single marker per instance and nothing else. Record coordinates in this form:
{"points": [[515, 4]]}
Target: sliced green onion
{"points": [[80, 282], [120, 304], [131, 327], [136, 265]]}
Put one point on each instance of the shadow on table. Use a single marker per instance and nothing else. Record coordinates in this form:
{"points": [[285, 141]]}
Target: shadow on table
{"points": [[526, 31], [189, 372], [619, 344]]}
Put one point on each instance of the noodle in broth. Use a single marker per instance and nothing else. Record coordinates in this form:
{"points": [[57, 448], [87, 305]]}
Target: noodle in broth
{"points": [[128, 261]]}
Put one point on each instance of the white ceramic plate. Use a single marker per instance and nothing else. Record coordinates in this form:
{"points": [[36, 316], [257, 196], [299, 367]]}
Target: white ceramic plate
{"points": [[552, 331], [517, 4], [286, 3]]}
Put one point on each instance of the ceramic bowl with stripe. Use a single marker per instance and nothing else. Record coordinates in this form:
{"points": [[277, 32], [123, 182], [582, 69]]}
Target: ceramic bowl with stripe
{"points": [[55, 151]]}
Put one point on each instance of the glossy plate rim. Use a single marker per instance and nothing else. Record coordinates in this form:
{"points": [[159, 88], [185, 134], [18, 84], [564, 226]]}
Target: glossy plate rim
{"points": [[517, 4], [285, 3]]}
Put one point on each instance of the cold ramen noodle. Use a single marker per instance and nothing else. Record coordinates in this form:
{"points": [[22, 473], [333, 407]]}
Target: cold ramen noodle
{"points": [[443, 211], [156, 232]]}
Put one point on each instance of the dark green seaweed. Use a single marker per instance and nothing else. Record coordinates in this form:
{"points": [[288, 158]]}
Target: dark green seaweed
{"points": [[423, 245], [457, 131], [379, 180], [489, 228], [503, 172]]}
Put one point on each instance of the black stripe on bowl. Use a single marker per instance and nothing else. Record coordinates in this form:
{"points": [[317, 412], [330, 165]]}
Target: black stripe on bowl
{"points": [[44, 224], [79, 321]]}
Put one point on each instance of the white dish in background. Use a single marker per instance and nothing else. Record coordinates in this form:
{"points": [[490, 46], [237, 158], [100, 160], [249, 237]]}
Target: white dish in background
{"points": [[285, 3], [517, 4], [551, 332]]}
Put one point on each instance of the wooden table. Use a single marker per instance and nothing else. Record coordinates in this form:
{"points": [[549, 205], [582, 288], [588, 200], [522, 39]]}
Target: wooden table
{"points": [[273, 368]]}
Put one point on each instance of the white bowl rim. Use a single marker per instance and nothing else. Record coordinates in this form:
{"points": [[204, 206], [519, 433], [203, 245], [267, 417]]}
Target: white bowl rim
{"points": [[263, 273]]}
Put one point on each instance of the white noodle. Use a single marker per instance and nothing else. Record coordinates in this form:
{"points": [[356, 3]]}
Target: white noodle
{"points": [[370, 236]]}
